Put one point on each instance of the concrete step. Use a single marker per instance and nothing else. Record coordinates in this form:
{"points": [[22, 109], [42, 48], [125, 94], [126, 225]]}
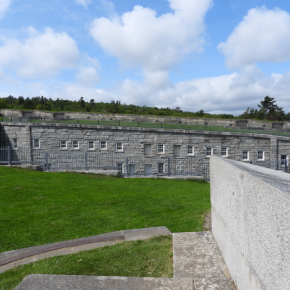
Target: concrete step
{"points": [[60, 282], [196, 256]]}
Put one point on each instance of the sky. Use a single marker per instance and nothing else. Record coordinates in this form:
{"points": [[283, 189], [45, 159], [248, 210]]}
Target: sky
{"points": [[220, 56]]}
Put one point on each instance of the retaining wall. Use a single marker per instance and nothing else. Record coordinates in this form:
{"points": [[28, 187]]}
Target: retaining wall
{"points": [[251, 223], [151, 119]]}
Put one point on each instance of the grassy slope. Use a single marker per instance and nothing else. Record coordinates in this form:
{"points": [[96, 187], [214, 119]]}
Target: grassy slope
{"points": [[151, 258], [39, 208]]}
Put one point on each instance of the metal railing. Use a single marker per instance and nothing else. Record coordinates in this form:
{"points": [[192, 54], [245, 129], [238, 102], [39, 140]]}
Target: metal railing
{"points": [[88, 161], [280, 165], [137, 166], [21, 155], [126, 165], [119, 123]]}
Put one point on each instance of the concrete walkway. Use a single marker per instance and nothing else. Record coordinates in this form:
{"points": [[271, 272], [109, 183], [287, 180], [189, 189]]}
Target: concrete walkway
{"points": [[196, 256], [197, 266]]}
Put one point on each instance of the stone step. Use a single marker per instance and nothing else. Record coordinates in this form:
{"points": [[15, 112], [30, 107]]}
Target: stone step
{"points": [[196, 256], [61, 282], [197, 266]]}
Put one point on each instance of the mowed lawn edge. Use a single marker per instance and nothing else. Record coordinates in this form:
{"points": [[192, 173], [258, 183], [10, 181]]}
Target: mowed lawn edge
{"points": [[147, 258], [39, 208]]}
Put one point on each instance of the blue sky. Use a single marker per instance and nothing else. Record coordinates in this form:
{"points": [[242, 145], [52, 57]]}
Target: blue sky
{"points": [[221, 56]]}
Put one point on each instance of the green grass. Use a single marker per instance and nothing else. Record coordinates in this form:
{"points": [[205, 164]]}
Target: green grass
{"points": [[39, 207], [150, 258]]}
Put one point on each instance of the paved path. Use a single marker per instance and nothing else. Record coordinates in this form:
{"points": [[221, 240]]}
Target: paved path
{"points": [[197, 266]]}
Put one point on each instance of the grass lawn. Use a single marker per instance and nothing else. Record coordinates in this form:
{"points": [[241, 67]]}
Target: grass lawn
{"points": [[39, 208], [150, 258]]}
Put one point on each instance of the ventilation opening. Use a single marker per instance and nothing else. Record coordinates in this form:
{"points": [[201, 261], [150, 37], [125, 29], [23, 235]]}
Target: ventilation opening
{"points": [[277, 125], [241, 123]]}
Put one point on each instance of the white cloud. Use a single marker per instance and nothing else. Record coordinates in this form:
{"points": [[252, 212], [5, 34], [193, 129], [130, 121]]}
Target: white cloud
{"points": [[84, 3], [88, 76], [141, 39], [4, 4], [230, 94], [75, 91], [39, 55], [262, 36], [108, 6]]}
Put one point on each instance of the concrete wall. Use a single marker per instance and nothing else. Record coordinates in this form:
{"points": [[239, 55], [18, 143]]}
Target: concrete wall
{"points": [[251, 223], [134, 139], [152, 119]]}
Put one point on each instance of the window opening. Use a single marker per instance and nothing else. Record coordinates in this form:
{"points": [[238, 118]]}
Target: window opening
{"points": [[283, 159], [120, 167], [160, 148], [36, 143], [14, 143], [91, 145], [75, 144], [63, 145], [160, 167], [103, 145], [224, 151], [208, 151], [245, 155], [119, 146], [190, 150], [260, 155]]}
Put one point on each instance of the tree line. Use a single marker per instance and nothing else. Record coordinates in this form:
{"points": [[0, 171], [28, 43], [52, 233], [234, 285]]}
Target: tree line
{"points": [[267, 109]]}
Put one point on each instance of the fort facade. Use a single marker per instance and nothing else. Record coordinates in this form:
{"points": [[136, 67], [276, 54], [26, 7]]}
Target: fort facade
{"points": [[145, 142]]}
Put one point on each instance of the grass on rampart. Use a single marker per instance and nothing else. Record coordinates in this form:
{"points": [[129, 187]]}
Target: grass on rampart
{"points": [[206, 128], [40, 208]]}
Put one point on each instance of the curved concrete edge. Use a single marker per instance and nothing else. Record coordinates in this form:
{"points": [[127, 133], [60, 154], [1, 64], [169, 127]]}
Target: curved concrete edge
{"points": [[11, 259], [66, 244]]}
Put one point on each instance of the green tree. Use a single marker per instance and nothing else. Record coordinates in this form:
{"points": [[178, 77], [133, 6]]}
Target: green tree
{"points": [[270, 110], [82, 102], [200, 113]]}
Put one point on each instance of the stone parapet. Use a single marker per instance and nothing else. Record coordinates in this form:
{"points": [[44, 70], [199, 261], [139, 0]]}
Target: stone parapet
{"points": [[251, 223]]}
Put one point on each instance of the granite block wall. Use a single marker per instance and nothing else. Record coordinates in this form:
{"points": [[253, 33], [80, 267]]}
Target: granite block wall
{"points": [[133, 140]]}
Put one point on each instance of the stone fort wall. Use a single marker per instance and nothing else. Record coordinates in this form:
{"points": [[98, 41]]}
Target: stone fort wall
{"points": [[151, 119], [132, 141]]}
